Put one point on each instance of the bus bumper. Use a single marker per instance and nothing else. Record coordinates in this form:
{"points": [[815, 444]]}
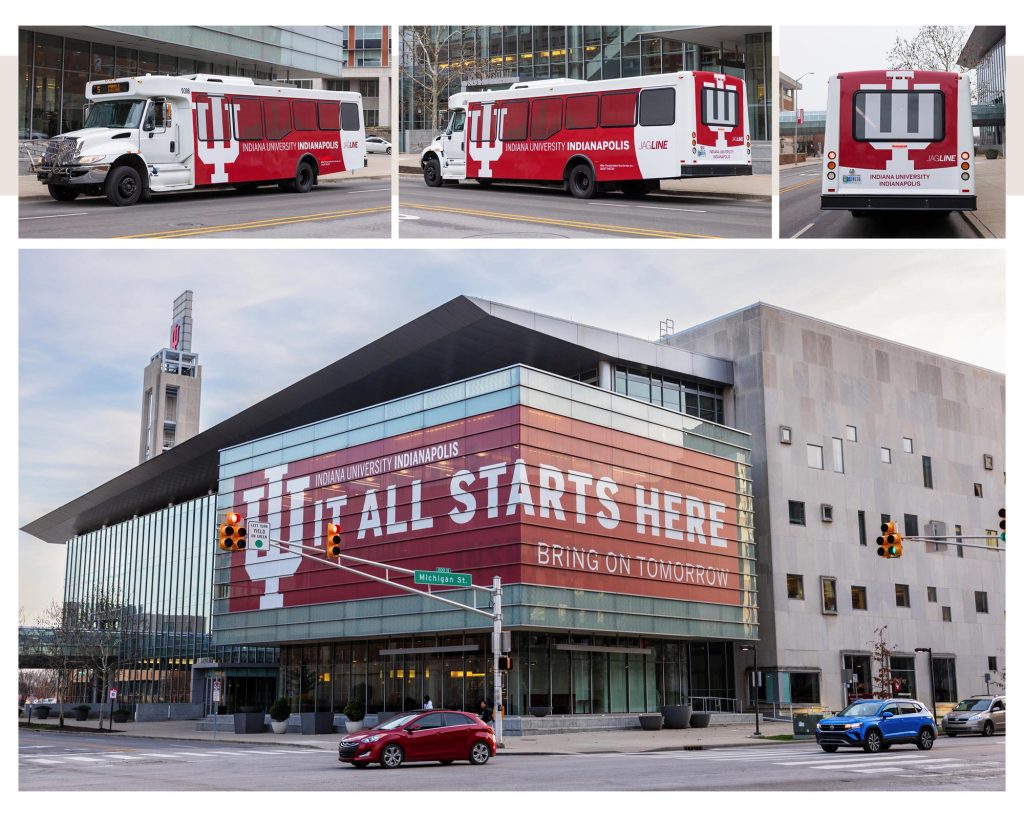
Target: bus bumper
{"points": [[73, 176], [692, 171], [899, 202]]}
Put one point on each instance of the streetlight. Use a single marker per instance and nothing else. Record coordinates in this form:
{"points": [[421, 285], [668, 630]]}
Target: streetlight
{"points": [[757, 697], [931, 676], [796, 113]]}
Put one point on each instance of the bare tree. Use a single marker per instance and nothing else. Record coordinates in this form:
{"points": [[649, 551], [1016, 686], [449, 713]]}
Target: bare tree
{"points": [[933, 48], [434, 58], [882, 655], [106, 618], [63, 647]]}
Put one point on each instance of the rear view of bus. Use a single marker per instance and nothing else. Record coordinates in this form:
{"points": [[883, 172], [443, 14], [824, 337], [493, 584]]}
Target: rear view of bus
{"points": [[720, 137], [898, 140]]}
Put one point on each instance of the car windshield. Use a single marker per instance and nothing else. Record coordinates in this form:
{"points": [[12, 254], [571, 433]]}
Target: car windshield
{"points": [[115, 114], [973, 705], [397, 722], [860, 709]]}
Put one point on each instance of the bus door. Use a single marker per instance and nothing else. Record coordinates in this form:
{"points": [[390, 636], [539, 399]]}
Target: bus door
{"points": [[454, 145], [160, 143]]}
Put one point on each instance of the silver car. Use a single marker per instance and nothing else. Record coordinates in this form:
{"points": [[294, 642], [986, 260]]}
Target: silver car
{"points": [[983, 715]]}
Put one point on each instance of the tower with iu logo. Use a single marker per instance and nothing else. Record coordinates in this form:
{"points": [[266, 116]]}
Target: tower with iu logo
{"points": [[171, 387]]}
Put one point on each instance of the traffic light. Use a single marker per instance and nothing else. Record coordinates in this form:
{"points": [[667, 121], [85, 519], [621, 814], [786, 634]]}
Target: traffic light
{"points": [[1002, 525], [333, 539], [231, 533], [890, 544], [504, 664]]}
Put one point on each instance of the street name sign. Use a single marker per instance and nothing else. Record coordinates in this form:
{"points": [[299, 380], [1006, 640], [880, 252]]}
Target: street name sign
{"points": [[443, 578]]}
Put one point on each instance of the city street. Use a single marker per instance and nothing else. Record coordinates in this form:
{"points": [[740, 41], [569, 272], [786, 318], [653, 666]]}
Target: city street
{"points": [[50, 761], [345, 208], [801, 216], [469, 211]]}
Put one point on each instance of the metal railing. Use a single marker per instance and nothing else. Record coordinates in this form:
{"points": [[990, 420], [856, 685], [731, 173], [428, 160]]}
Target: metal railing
{"points": [[718, 704]]}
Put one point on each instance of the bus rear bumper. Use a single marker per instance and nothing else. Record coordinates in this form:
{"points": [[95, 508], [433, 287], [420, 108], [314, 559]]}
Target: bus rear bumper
{"points": [[948, 202], [695, 171]]}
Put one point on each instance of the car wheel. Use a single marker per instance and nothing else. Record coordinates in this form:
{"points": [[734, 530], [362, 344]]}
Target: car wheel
{"points": [[360, 764], [446, 761], [62, 193], [581, 181], [872, 742], [124, 186], [926, 739], [479, 753], [432, 173], [392, 756], [830, 749], [388, 151], [988, 730], [304, 178]]}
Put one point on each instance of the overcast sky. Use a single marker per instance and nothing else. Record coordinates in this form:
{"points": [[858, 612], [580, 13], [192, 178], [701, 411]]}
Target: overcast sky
{"points": [[829, 50], [90, 320]]}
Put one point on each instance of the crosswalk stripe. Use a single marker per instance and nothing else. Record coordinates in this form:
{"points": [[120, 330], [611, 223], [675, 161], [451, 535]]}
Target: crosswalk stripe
{"points": [[881, 763], [274, 753], [119, 756], [190, 753], [43, 761], [161, 756]]}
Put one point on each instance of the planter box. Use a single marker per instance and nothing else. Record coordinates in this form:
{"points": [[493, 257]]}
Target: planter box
{"points": [[700, 719], [120, 716], [651, 722], [41, 711], [81, 716], [317, 722], [677, 716], [249, 723], [540, 710]]}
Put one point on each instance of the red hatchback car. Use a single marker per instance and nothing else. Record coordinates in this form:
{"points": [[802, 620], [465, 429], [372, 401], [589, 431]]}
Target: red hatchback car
{"points": [[420, 736]]}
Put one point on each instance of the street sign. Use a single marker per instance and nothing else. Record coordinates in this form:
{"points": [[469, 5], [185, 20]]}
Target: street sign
{"points": [[443, 578], [800, 117], [259, 534], [113, 693], [215, 689]]}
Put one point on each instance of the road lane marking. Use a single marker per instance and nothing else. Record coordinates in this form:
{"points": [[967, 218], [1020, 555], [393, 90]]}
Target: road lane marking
{"points": [[678, 210], [190, 753], [268, 752], [161, 756], [802, 231], [55, 215], [567, 223], [119, 756], [183, 233], [798, 185], [874, 765], [43, 761]]}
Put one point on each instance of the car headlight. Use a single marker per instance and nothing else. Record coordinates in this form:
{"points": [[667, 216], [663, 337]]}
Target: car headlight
{"points": [[975, 717], [369, 739], [89, 160]]}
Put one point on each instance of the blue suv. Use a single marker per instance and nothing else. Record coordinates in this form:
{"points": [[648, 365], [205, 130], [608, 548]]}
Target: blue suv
{"points": [[875, 725]]}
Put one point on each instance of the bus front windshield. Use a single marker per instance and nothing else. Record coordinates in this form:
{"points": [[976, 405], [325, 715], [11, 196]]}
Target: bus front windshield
{"points": [[115, 114]]}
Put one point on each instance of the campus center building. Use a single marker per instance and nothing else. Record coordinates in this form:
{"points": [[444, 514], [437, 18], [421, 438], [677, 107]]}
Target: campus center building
{"points": [[602, 477]]}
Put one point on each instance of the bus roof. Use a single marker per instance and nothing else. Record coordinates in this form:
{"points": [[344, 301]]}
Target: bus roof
{"points": [[163, 85]]}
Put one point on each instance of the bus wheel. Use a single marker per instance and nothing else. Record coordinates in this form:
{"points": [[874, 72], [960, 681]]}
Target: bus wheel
{"points": [[432, 173], [581, 181], [62, 193], [304, 178], [124, 186]]}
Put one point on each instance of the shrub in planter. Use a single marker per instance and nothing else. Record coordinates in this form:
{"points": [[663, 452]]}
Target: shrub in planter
{"points": [[122, 715], [991, 153], [81, 713], [279, 712], [355, 710]]}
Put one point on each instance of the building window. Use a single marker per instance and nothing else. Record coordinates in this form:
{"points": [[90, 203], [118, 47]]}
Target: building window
{"points": [[981, 602], [910, 525], [886, 455], [926, 467], [902, 596], [947, 614], [826, 513], [992, 664], [851, 433], [862, 528], [796, 513], [978, 492], [837, 455], [795, 586], [903, 671], [859, 597], [815, 457], [933, 596], [993, 538], [908, 446], [829, 603], [804, 687], [944, 679], [987, 461], [785, 435]]}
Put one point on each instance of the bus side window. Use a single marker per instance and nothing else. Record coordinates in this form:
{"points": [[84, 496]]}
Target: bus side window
{"points": [[458, 122], [349, 116], [304, 115], [513, 126], [249, 118], [329, 116], [546, 118], [658, 106], [618, 110], [581, 112], [155, 115], [277, 117]]}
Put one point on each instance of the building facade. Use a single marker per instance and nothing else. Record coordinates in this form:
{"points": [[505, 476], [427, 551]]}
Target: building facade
{"points": [[985, 52], [56, 62], [850, 431]]}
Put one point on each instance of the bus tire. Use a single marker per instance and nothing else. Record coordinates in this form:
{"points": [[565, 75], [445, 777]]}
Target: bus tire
{"points": [[432, 173], [305, 176], [123, 186], [581, 182], [62, 193]]}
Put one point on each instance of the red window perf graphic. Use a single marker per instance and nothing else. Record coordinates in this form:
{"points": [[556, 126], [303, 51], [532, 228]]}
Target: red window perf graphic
{"points": [[521, 493], [618, 110], [546, 118], [304, 115], [581, 112], [721, 109], [329, 115], [513, 126], [248, 117], [278, 117]]}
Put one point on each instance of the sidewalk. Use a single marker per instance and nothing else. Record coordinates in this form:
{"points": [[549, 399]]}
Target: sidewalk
{"points": [[588, 742], [989, 220], [757, 187]]}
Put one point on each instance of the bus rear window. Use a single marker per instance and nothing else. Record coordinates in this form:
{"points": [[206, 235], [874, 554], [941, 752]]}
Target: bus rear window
{"points": [[899, 116], [719, 106]]}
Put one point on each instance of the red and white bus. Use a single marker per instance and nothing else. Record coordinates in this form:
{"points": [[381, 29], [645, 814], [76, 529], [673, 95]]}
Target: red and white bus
{"points": [[152, 134], [626, 133], [898, 140]]}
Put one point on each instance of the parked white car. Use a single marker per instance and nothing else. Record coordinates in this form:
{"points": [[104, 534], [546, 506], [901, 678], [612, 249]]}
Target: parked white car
{"points": [[376, 145]]}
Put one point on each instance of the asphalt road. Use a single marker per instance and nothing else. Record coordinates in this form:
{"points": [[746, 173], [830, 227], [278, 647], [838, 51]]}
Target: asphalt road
{"points": [[469, 211], [66, 762], [349, 208], [801, 216]]}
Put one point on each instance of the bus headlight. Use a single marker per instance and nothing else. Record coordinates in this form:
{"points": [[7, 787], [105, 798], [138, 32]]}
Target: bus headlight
{"points": [[965, 176], [91, 160], [831, 174]]}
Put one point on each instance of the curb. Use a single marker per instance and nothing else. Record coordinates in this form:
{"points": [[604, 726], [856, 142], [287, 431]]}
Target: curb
{"points": [[976, 225]]}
